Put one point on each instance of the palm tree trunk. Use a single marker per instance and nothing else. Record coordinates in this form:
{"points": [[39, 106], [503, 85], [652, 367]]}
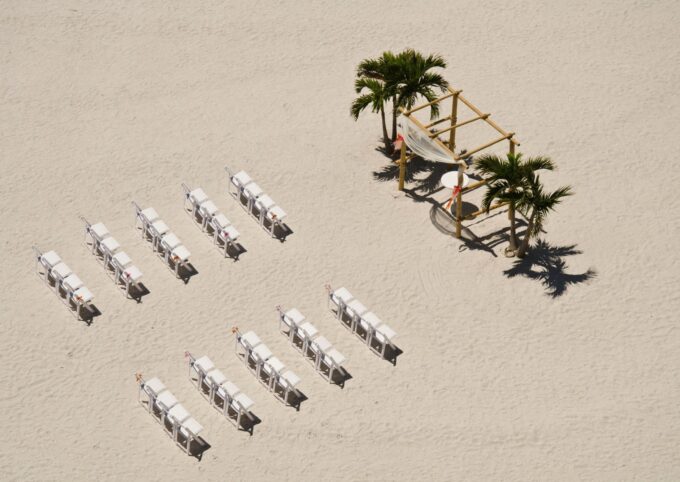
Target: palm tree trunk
{"points": [[394, 119], [513, 229], [521, 253], [389, 148]]}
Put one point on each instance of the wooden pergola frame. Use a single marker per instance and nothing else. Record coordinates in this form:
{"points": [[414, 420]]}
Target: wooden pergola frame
{"points": [[449, 145]]}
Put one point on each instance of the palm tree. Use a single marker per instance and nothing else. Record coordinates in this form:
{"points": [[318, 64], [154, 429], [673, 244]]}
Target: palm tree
{"points": [[407, 76], [384, 68], [540, 203], [508, 180], [413, 78], [374, 93]]}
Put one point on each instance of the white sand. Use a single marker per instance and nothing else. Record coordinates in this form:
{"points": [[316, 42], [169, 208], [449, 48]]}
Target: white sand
{"points": [[498, 380]]}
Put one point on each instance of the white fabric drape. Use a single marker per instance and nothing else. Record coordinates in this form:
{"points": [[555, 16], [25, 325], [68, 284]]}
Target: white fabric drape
{"points": [[419, 142]]}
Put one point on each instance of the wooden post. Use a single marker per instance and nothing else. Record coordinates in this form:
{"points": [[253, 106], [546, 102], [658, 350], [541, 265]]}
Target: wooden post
{"points": [[459, 203], [454, 120], [512, 151], [402, 166]]}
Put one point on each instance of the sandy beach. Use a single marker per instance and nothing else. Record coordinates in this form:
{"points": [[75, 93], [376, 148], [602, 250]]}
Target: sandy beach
{"points": [[567, 370]]}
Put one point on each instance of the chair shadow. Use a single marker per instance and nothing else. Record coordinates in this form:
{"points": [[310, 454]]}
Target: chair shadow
{"points": [[429, 184], [186, 272], [88, 316], [340, 377], [391, 354], [246, 424], [293, 400], [545, 263], [198, 447], [282, 231], [235, 251], [139, 292]]}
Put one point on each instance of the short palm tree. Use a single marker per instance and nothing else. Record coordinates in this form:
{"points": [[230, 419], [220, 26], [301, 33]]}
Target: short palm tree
{"points": [[384, 68], [374, 93], [539, 203], [413, 79], [406, 76], [507, 182]]}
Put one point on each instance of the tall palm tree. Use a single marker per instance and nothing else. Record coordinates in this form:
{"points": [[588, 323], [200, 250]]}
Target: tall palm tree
{"points": [[374, 93], [540, 203], [413, 79], [508, 180], [407, 75], [385, 68]]}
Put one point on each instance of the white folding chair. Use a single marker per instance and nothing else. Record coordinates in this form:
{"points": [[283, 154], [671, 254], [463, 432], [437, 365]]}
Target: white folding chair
{"points": [[238, 181], [223, 232], [290, 319], [96, 232], [146, 217], [306, 333], [174, 252], [125, 272], [368, 322], [383, 335], [45, 262], [339, 298], [190, 429], [270, 212], [289, 382], [334, 360], [200, 367]]}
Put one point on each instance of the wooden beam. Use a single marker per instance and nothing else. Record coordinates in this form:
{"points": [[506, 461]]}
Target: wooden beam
{"points": [[459, 204], [474, 186], [434, 134], [446, 96], [489, 144], [438, 121], [402, 166], [474, 109], [483, 211]]}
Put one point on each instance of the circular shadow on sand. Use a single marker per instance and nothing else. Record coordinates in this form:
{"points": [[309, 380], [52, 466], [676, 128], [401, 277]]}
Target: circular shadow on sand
{"points": [[444, 221]]}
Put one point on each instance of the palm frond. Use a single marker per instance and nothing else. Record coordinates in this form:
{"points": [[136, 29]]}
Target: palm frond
{"points": [[359, 104], [491, 194], [540, 163]]}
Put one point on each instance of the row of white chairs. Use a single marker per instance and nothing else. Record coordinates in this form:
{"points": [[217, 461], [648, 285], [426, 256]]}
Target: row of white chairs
{"points": [[176, 420], [164, 242], [67, 285], [304, 337], [205, 213], [360, 321], [268, 369], [221, 393], [257, 203], [117, 263]]}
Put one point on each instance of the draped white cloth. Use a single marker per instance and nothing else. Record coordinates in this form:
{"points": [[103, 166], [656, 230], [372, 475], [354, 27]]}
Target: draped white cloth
{"points": [[419, 142]]}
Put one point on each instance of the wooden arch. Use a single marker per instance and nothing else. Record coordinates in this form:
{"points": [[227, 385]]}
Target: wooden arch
{"points": [[449, 145]]}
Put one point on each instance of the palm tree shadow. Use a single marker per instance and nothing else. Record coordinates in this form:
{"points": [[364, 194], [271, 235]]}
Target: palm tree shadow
{"points": [[545, 263], [414, 169]]}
